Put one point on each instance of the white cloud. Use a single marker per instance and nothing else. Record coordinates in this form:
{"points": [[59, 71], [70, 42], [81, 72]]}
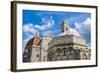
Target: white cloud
{"points": [[84, 28], [89, 45], [85, 24], [35, 28], [26, 29], [43, 27], [50, 23], [43, 20], [29, 28], [77, 25], [47, 24]]}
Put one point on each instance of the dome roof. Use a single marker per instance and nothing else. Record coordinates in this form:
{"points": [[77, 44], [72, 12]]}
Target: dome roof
{"points": [[34, 41], [30, 43], [70, 32]]}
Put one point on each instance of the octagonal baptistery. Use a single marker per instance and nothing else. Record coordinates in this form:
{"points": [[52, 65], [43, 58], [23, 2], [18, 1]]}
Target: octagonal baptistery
{"points": [[68, 45]]}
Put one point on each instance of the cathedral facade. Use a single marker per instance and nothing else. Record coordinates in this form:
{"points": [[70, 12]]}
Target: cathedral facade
{"points": [[68, 45]]}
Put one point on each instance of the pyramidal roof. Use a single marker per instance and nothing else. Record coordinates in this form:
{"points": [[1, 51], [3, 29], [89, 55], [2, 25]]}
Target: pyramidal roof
{"points": [[69, 31]]}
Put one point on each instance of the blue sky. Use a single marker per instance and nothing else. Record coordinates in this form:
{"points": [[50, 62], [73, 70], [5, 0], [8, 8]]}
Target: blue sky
{"points": [[50, 22]]}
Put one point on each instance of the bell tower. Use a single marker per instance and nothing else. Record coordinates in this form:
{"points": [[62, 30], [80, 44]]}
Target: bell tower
{"points": [[64, 26]]}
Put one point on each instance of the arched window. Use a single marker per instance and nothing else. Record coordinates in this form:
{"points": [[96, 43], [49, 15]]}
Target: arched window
{"points": [[77, 54], [64, 51], [51, 52], [70, 50], [44, 58], [58, 51], [81, 49], [26, 52], [37, 55], [89, 55], [84, 56]]}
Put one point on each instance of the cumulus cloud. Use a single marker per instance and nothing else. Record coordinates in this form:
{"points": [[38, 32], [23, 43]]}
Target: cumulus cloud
{"points": [[85, 24], [50, 23], [29, 28], [28, 31], [84, 29], [43, 20], [43, 27], [47, 24], [89, 45], [77, 25]]}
